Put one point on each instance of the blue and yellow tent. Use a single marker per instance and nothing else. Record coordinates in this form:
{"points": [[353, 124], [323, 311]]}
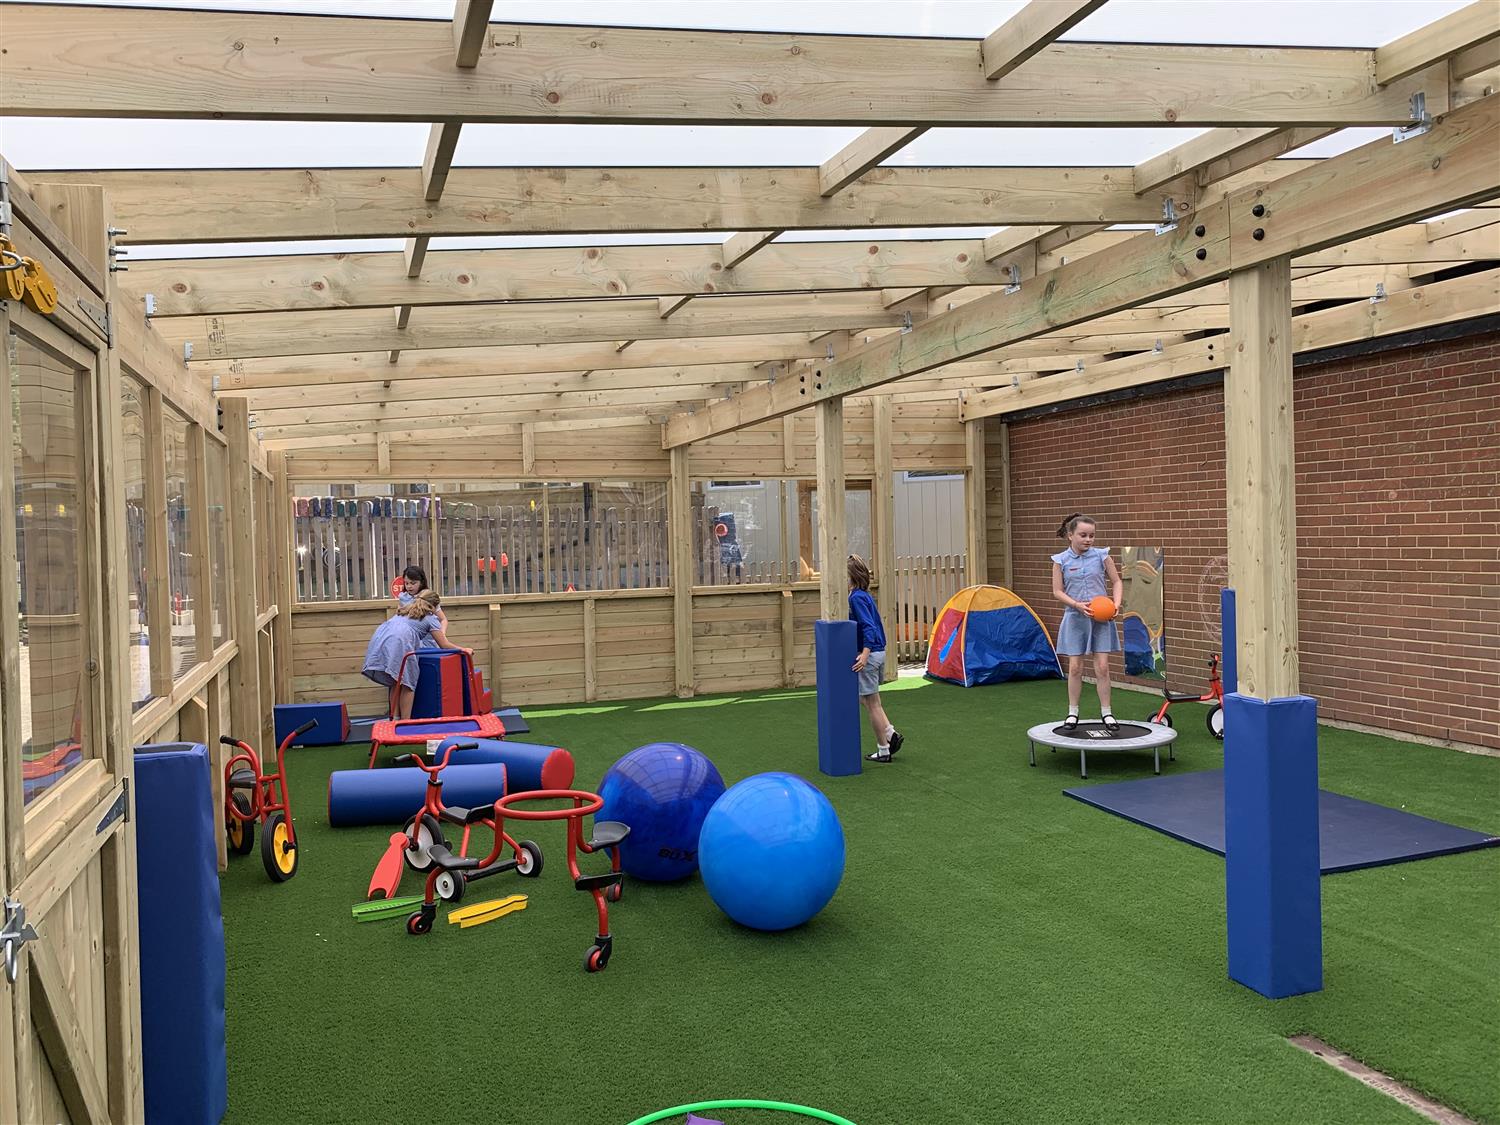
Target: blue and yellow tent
{"points": [[987, 635]]}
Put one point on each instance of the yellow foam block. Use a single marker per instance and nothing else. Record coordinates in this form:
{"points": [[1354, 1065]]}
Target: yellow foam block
{"points": [[478, 913]]}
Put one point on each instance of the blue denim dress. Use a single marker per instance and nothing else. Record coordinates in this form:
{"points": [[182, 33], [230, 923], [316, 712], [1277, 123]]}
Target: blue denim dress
{"points": [[1084, 578]]}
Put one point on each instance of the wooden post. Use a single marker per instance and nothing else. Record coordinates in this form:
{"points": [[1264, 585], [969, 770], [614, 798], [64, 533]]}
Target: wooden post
{"points": [[679, 528], [590, 651], [1261, 481], [495, 660], [12, 810], [788, 638], [974, 489], [200, 573], [883, 510], [284, 587], [244, 669], [158, 585], [997, 491], [833, 583], [217, 714]]}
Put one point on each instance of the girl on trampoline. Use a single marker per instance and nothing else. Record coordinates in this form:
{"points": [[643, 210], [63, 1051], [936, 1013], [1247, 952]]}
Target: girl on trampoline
{"points": [[416, 624], [1080, 574]]}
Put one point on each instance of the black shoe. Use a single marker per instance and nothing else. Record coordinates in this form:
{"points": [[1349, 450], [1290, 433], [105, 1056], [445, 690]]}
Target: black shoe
{"points": [[896, 741], [1111, 723], [1070, 723], [877, 756]]}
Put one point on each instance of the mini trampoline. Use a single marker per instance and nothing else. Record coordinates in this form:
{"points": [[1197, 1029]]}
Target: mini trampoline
{"points": [[399, 732], [1091, 734]]}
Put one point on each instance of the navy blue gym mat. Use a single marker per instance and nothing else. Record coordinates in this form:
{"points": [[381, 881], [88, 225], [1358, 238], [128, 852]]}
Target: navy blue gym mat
{"points": [[1351, 834], [510, 718]]}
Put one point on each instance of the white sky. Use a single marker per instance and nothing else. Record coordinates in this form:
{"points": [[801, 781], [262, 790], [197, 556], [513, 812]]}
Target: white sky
{"points": [[52, 143]]}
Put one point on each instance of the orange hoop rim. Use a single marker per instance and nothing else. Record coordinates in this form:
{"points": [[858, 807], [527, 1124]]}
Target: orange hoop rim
{"points": [[593, 803]]}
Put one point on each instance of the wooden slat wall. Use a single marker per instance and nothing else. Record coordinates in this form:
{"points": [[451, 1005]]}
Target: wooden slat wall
{"points": [[738, 646]]}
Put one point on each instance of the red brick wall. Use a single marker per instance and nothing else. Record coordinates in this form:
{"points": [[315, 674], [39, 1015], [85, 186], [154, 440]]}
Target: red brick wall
{"points": [[1398, 527]]}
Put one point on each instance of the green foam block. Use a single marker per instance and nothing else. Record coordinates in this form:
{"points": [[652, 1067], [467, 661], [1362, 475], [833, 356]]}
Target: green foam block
{"points": [[376, 909]]}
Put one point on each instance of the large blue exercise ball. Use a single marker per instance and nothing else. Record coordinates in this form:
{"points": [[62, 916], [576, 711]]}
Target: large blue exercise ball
{"points": [[772, 851], [662, 791]]}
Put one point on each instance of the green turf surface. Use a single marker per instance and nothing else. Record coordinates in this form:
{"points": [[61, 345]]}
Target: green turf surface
{"points": [[997, 951]]}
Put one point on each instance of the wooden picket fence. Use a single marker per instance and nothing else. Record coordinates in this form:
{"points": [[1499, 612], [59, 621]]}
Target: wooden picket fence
{"points": [[923, 584], [351, 550]]}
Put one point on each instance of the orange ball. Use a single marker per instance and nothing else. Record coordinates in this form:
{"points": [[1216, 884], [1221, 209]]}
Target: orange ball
{"points": [[1102, 609]]}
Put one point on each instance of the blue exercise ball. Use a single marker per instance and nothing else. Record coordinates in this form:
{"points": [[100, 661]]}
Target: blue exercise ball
{"points": [[772, 851], [662, 791]]}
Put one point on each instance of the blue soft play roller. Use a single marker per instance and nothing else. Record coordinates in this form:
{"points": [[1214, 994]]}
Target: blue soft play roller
{"points": [[392, 794], [772, 851], [184, 1064], [838, 697], [1271, 849], [527, 767], [662, 791]]}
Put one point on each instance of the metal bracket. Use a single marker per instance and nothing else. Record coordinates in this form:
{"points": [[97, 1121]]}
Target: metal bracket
{"points": [[187, 349], [150, 305], [213, 383], [829, 354], [906, 322], [1169, 217], [1078, 366], [1421, 120], [100, 316], [1012, 279], [120, 808], [5, 212], [15, 933], [1157, 349], [1379, 297]]}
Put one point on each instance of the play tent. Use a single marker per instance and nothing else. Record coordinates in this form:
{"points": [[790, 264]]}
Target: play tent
{"points": [[987, 635]]}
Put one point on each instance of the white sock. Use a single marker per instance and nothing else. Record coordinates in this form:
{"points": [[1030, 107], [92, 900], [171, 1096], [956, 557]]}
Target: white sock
{"points": [[883, 747], [888, 732], [1073, 711]]}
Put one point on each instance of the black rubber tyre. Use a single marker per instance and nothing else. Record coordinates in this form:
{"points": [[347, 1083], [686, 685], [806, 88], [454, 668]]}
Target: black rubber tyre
{"points": [[240, 833], [430, 833], [277, 852], [614, 893], [1215, 721], [594, 960], [418, 923], [1166, 721], [450, 886], [528, 859]]}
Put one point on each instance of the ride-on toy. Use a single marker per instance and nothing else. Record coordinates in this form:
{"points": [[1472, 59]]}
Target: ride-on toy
{"points": [[424, 847], [250, 795], [1214, 695]]}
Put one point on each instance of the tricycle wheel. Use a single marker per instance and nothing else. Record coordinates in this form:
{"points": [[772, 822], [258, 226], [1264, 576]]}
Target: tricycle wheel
{"points": [[449, 886], [429, 832], [419, 922], [1166, 721], [594, 960], [277, 851], [614, 893], [241, 833], [528, 859], [1215, 722]]}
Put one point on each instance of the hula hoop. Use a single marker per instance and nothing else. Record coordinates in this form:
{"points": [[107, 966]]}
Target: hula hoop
{"points": [[742, 1103]]}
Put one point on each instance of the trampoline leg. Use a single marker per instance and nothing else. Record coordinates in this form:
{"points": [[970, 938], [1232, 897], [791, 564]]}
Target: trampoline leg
{"points": [[1083, 763], [1156, 754], [1032, 747]]}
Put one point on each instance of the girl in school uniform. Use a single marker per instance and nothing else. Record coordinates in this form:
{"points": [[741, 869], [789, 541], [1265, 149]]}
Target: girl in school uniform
{"points": [[1081, 573], [415, 625]]}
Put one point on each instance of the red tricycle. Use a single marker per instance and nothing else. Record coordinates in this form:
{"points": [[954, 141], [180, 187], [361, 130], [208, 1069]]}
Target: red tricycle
{"points": [[424, 847], [1214, 695], [250, 795]]}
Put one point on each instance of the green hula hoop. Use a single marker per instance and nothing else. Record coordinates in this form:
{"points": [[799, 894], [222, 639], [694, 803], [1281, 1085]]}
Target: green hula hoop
{"points": [[742, 1103]]}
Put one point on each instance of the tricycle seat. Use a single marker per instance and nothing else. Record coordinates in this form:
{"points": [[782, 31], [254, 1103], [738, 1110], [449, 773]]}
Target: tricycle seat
{"points": [[457, 815], [445, 860], [608, 834], [242, 778]]}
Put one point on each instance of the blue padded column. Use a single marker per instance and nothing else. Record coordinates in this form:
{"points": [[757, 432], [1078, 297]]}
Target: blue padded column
{"points": [[838, 697], [183, 1059], [1271, 862], [1228, 664]]}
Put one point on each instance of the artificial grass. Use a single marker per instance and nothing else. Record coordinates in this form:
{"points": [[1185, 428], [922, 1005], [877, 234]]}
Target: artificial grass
{"points": [[996, 952]]}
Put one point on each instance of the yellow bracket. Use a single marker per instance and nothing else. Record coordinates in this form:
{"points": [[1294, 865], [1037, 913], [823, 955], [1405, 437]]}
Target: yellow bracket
{"points": [[26, 279]]}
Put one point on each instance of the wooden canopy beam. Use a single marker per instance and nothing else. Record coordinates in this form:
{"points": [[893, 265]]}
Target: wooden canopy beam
{"points": [[1472, 26], [1028, 31], [106, 62], [1366, 190], [280, 204]]}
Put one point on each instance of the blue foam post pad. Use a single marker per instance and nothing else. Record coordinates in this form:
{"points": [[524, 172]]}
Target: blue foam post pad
{"points": [[184, 1063], [332, 720], [1352, 834], [390, 795], [838, 698], [510, 718], [1229, 655]]}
